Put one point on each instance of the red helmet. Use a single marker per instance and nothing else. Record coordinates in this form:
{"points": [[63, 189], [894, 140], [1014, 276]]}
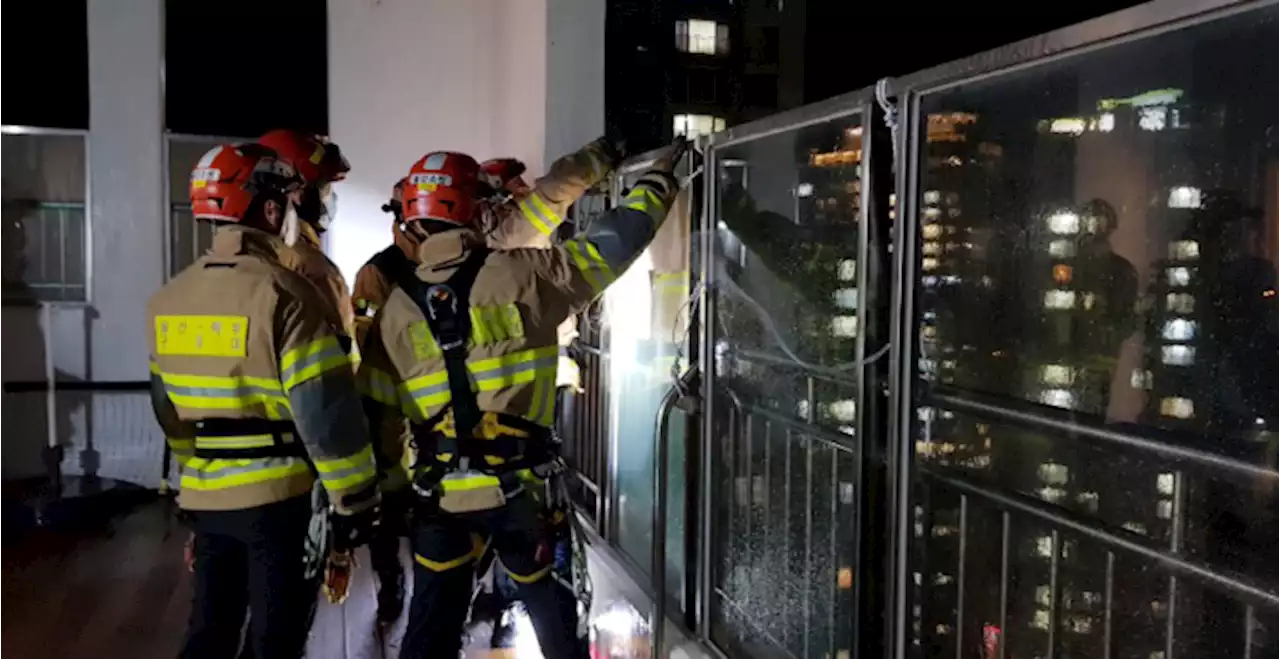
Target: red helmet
{"points": [[504, 174], [442, 186], [396, 205], [316, 159], [226, 181]]}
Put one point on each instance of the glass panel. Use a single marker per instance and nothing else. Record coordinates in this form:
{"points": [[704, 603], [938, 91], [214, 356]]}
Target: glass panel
{"points": [[646, 318], [1098, 234], [44, 218], [785, 277]]}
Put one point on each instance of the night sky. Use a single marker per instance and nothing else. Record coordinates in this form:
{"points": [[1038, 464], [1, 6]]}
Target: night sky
{"points": [[213, 91]]}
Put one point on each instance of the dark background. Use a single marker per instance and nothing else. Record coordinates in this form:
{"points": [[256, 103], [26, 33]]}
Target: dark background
{"points": [[252, 66]]}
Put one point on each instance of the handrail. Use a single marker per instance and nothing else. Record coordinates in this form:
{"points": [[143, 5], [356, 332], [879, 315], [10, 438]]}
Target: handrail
{"points": [[34, 386], [1053, 419], [761, 357], [658, 550], [1116, 539]]}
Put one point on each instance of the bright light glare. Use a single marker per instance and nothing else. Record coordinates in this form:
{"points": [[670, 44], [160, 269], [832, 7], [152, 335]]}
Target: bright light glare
{"points": [[619, 621], [526, 640]]}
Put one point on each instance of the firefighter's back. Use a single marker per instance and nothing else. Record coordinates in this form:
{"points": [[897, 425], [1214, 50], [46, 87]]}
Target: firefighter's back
{"points": [[215, 347]]}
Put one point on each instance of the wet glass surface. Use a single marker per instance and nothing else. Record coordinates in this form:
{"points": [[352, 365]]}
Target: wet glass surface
{"points": [[785, 278], [644, 335], [1099, 235]]}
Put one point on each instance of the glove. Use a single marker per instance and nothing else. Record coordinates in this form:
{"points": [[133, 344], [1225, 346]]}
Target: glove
{"points": [[670, 155], [354, 529]]}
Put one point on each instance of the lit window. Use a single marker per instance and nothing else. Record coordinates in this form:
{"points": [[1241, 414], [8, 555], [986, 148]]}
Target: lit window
{"points": [[1053, 473], [1069, 125], [1184, 250], [1062, 273], [1057, 398], [931, 231], [930, 247], [1061, 299], [1079, 624], [1044, 546], [1164, 509], [1051, 494], [845, 326], [702, 37], [1055, 375], [1040, 620], [1179, 329], [1178, 355], [1184, 196], [695, 125], [929, 264], [848, 269], [1164, 483], [1062, 248], [804, 190], [1064, 223], [1107, 122], [1178, 276], [1088, 501], [1140, 379], [1180, 302], [842, 410], [846, 298], [1177, 408], [1152, 118], [932, 196]]}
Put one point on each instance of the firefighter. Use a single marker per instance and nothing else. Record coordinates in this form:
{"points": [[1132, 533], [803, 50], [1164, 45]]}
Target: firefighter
{"points": [[320, 164], [467, 350], [374, 279], [256, 397]]}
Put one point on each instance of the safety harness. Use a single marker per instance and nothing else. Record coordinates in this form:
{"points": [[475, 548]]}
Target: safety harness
{"points": [[446, 307]]}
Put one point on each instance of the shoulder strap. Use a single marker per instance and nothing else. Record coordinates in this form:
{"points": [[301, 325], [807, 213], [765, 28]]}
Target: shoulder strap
{"points": [[447, 308]]}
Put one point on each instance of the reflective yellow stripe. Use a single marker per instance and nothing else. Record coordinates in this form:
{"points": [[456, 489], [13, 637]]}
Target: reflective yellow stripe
{"points": [[348, 472], [489, 324], [477, 550], [311, 361], [645, 200], [378, 385], [243, 441], [466, 483], [428, 392], [584, 266], [539, 214], [530, 578], [250, 395], [155, 368], [203, 474]]}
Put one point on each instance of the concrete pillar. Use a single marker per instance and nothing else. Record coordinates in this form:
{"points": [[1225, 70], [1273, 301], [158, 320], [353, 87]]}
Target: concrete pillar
{"points": [[519, 78], [126, 182]]}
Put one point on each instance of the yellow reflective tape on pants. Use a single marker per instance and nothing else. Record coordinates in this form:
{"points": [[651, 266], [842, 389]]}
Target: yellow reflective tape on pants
{"points": [[528, 578], [254, 396], [477, 550], [204, 474], [311, 361], [467, 483], [600, 262]]}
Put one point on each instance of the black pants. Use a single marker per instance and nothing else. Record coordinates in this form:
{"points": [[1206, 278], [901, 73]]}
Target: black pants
{"points": [[251, 560], [445, 550], [384, 554]]}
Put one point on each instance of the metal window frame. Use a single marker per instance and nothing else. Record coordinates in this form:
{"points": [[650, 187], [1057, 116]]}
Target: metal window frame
{"points": [[1130, 25], [856, 103], [83, 134]]}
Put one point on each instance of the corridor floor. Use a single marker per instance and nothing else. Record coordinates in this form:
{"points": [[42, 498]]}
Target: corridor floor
{"points": [[121, 590]]}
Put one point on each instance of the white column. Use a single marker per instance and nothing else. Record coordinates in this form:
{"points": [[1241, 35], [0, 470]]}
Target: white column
{"points": [[517, 78], [126, 181]]}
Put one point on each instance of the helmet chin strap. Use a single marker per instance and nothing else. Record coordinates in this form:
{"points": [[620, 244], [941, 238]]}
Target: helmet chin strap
{"points": [[291, 228]]}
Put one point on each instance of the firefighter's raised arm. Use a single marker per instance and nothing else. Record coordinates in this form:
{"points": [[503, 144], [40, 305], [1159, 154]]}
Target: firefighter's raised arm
{"points": [[579, 270], [530, 216]]}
